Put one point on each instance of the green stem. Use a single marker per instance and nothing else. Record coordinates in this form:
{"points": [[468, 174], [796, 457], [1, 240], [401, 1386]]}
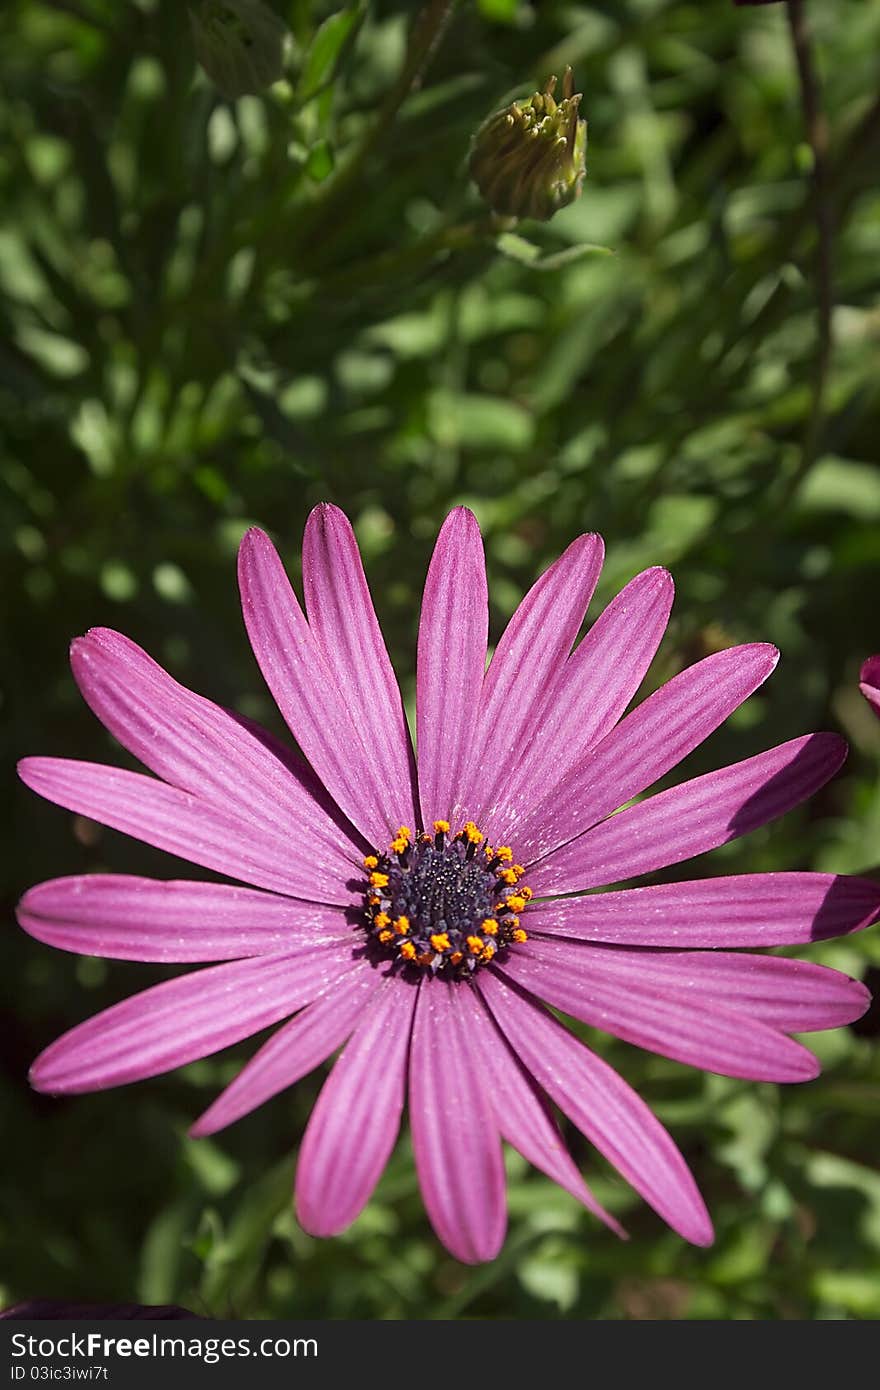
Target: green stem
{"points": [[816, 126], [426, 34]]}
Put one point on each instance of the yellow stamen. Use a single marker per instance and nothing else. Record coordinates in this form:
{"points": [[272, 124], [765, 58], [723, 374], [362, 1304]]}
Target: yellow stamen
{"points": [[504, 853], [401, 840], [456, 958], [386, 936], [525, 892], [516, 902], [382, 920], [519, 936], [442, 827], [489, 926], [401, 925], [471, 833], [407, 950], [440, 941], [374, 901], [370, 862], [379, 880], [488, 950], [474, 945]]}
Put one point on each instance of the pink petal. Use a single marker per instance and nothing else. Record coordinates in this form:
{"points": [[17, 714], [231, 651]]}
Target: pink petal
{"points": [[341, 615], [591, 693], [658, 1010], [741, 910], [656, 736], [695, 817], [537, 640], [200, 748], [183, 824], [129, 918], [294, 1050], [309, 696], [455, 1136], [354, 1124], [869, 682], [520, 1109], [603, 1107], [453, 633], [183, 1019]]}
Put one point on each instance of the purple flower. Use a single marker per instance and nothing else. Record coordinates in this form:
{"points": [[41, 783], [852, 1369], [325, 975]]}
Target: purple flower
{"points": [[869, 683], [420, 911]]}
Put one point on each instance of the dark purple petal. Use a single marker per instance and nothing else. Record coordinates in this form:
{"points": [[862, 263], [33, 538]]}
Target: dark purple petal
{"points": [[309, 696], [354, 1124], [869, 683], [212, 836], [181, 1020], [455, 1135], [603, 1107], [521, 1110], [591, 692], [643, 747], [453, 632], [537, 640], [742, 910], [129, 918], [695, 817], [341, 615], [294, 1050]]}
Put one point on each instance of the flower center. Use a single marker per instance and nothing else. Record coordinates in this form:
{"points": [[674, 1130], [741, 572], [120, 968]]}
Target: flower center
{"points": [[444, 902]]}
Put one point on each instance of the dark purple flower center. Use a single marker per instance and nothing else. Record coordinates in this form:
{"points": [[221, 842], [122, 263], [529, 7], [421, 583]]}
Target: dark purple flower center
{"points": [[444, 903]]}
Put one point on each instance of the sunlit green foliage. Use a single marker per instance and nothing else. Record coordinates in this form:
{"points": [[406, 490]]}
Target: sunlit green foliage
{"points": [[215, 312]]}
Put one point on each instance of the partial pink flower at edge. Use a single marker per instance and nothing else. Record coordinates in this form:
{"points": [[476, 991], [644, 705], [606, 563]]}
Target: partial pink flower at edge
{"points": [[869, 683], [422, 911]]}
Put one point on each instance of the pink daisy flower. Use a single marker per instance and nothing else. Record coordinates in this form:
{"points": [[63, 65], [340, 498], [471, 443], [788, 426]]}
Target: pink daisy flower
{"points": [[869, 683], [418, 911]]}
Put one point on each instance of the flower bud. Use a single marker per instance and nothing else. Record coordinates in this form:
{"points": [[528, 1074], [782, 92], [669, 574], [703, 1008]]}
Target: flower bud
{"points": [[529, 159], [240, 44]]}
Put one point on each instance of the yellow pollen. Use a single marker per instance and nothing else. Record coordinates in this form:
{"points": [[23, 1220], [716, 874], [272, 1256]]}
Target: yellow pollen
{"points": [[508, 876], [440, 941], [374, 901], [442, 827], [489, 926], [504, 853], [525, 892], [379, 880], [401, 839], [386, 936], [456, 958], [519, 936], [518, 870], [516, 902], [471, 833], [474, 945], [407, 950], [370, 862], [382, 920], [488, 950], [401, 925]]}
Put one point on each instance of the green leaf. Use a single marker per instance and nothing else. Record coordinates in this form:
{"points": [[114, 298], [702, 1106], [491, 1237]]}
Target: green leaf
{"points": [[325, 49]]}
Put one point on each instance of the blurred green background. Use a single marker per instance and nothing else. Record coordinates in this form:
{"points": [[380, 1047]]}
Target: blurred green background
{"points": [[220, 312]]}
